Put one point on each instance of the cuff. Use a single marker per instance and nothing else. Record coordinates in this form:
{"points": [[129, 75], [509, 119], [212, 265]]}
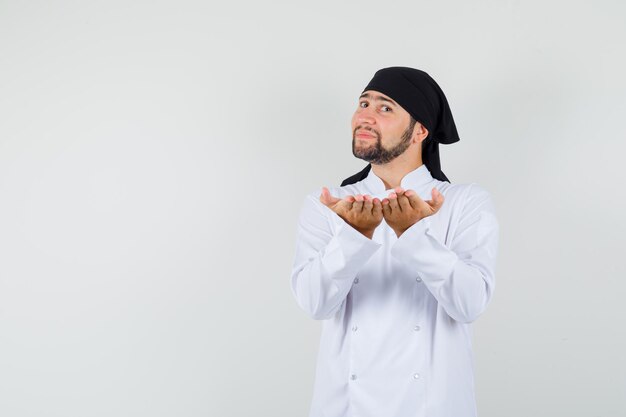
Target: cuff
{"points": [[349, 233], [355, 248]]}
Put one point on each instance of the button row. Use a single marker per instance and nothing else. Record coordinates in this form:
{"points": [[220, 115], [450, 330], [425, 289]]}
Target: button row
{"points": [[415, 376], [416, 328], [418, 279]]}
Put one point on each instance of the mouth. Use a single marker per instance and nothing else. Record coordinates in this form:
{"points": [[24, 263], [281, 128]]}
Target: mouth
{"points": [[363, 135]]}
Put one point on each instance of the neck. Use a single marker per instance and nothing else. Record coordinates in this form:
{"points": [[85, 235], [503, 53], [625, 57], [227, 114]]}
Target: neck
{"points": [[392, 172]]}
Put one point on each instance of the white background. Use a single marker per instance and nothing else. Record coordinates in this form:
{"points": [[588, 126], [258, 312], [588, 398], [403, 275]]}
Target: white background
{"points": [[154, 156]]}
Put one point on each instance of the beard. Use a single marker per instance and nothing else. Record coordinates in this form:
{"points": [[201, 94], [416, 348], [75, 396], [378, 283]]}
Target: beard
{"points": [[375, 153]]}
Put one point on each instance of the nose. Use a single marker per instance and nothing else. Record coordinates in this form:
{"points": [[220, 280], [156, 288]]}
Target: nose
{"points": [[365, 115]]}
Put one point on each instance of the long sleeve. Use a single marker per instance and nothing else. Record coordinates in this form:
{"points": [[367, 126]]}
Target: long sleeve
{"points": [[329, 254], [461, 277]]}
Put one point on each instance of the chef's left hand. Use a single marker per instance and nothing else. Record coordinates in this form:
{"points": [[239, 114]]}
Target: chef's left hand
{"points": [[405, 208]]}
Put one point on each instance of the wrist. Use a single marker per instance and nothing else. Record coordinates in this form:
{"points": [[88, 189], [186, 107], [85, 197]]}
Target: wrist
{"points": [[368, 233], [400, 231]]}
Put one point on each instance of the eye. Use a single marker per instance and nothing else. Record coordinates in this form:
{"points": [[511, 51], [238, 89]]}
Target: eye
{"points": [[364, 104]]}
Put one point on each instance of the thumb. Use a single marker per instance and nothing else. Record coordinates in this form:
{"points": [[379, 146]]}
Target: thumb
{"points": [[326, 198], [437, 199]]}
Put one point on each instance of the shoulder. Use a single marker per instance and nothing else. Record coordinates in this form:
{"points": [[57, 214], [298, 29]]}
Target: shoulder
{"points": [[467, 199], [467, 193], [478, 196]]}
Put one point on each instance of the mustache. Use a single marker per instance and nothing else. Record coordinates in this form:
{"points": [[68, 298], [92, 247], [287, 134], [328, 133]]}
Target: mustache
{"points": [[369, 130]]}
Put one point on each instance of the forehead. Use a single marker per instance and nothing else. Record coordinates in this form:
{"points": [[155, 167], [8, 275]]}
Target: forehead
{"points": [[377, 96]]}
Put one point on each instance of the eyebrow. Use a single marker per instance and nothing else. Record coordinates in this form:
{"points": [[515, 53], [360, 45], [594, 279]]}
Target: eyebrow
{"points": [[379, 98]]}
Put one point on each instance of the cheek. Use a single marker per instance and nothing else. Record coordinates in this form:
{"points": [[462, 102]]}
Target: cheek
{"points": [[384, 129], [395, 129]]}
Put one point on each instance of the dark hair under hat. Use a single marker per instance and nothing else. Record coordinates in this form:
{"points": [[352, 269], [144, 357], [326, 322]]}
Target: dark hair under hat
{"points": [[423, 99]]}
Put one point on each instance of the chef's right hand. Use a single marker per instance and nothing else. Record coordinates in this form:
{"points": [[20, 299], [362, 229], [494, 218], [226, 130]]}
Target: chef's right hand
{"points": [[362, 212]]}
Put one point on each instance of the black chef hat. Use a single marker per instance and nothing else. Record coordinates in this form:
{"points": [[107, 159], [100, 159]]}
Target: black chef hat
{"points": [[423, 99]]}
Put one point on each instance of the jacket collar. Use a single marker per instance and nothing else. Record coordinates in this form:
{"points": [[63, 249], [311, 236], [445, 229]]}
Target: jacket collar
{"points": [[413, 180]]}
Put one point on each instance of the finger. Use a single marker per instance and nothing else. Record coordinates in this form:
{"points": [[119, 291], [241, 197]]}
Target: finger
{"points": [[348, 202], [358, 204], [393, 201], [326, 198], [378, 208], [386, 207], [368, 204], [440, 199], [437, 201], [437, 197], [403, 201], [414, 200]]}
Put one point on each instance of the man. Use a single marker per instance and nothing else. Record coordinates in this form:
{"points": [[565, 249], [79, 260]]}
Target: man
{"points": [[397, 263]]}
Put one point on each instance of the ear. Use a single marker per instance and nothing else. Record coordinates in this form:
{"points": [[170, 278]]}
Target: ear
{"points": [[419, 132]]}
